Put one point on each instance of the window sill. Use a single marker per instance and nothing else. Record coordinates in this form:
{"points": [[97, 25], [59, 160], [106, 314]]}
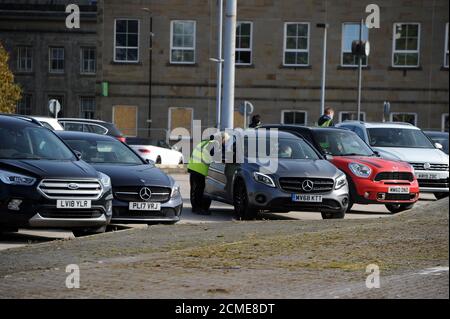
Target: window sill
{"points": [[56, 73], [191, 65], [245, 66], [406, 68], [125, 63], [353, 67], [295, 67], [88, 74]]}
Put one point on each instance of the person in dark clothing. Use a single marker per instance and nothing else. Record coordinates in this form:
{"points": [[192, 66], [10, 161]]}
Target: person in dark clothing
{"points": [[326, 120], [256, 121]]}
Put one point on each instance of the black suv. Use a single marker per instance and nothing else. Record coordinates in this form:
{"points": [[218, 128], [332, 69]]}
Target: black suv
{"points": [[44, 184]]}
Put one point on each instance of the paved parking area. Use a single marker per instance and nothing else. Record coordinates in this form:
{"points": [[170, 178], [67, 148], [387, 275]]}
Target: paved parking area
{"points": [[220, 213]]}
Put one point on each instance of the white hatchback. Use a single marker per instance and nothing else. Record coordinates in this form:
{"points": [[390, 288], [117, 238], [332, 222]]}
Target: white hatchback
{"points": [[407, 143]]}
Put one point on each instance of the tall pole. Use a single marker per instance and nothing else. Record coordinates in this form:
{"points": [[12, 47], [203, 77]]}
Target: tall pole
{"points": [[360, 57], [150, 69], [324, 67], [220, 62], [227, 120]]}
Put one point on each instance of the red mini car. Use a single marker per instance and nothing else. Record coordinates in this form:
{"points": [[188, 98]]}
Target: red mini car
{"points": [[372, 180]]}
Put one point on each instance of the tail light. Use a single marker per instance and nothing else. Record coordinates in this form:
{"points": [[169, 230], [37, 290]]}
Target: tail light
{"points": [[144, 150], [122, 139]]}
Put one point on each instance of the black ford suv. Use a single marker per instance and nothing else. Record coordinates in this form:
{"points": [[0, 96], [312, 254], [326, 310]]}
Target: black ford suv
{"points": [[44, 184]]}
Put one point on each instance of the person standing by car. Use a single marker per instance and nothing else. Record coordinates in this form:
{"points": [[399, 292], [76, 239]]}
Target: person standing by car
{"points": [[256, 121], [326, 120], [198, 168]]}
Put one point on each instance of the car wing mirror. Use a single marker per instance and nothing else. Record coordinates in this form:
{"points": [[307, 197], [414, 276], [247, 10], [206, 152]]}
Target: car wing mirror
{"points": [[438, 146], [78, 155], [328, 157]]}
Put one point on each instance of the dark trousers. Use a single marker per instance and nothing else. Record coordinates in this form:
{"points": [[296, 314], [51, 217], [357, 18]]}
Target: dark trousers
{"points": [[197, 182]]}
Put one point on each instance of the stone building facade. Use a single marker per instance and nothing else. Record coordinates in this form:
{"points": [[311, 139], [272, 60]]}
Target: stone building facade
{"points": [[280, 53]]}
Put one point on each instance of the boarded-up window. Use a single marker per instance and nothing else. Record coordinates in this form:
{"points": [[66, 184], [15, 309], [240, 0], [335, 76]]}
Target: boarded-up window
{"points": [[180, 118], [125, 118], [238, 120]]}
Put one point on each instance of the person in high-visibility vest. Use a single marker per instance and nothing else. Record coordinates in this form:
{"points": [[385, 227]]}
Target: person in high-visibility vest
{"points": [[198, 167], [326, 120]]}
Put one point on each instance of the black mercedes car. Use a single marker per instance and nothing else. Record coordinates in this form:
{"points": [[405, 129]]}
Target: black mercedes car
{"points": [[44, 184], [143, 194]]}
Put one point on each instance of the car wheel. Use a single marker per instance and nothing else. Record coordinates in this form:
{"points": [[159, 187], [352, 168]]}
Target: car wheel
{"points": [[158, 160], [337, 215], [398, 208], [440, 195], [350, 206], [8, 230], [242, 208], [180, 162], [88, 231]]}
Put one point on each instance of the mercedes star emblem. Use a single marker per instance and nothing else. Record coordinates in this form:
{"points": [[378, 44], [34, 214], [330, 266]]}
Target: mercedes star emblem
{"points": [[427, 166], [308, 185], [145, 193]]}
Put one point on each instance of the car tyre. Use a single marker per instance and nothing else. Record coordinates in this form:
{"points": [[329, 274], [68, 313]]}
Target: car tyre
{"points": [[337, 215], [242, 207], [158, 160], [398, 208], [440, 196]]}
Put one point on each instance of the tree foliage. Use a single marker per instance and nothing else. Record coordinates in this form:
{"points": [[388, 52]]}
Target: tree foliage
{"points": [[10, 92]]}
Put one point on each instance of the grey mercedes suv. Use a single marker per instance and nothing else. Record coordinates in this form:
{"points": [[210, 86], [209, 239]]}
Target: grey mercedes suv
{"points": [[302, 180]]}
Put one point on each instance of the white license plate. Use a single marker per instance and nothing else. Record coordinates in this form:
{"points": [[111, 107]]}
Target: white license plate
{"points": [[145, 206], [307, 198], [427, 176], [73, 204], [398, 190]]}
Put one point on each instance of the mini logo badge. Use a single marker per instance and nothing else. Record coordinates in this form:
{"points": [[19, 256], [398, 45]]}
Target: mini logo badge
{"points": [[145, 193], [73, 186], [308, 185], [427, 165]]}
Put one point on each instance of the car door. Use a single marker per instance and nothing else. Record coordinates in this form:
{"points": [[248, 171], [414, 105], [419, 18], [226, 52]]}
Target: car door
{"points": [[216, 181]]}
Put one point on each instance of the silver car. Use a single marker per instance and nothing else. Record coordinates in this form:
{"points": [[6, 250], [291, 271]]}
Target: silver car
{"points": [[303, 181]]}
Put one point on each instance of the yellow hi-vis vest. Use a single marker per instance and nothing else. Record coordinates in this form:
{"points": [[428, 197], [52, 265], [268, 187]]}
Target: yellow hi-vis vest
{"points": [[326, 123], [200, 159]]}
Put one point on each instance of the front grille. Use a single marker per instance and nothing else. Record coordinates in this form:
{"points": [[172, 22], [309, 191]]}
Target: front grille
{"points": [[400, 196], [433, 167], [72, 189], [436, 183], [58, 213], [294, 184], [394, 176], [131, 194]]}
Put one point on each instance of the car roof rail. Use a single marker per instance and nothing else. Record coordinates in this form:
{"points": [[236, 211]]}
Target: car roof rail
{"points": [[23, 117]]}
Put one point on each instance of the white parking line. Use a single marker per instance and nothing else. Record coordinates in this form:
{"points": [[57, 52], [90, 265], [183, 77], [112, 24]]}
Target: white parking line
{"points": [[433, 271]]}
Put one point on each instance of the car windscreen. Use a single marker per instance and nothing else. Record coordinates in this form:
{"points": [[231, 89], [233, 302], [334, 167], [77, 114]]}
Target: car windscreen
{"points": [[281, 148], [398, 137], [104, 152], [441, 140], [34, 143], [341, 143]]}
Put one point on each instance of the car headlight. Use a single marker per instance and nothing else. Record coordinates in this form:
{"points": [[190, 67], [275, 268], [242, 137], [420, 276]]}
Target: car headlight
{"points": [[360, 170], [176, 191], [105, 180], [11, 178], [413, 170], [264, 179], [341, 181]]}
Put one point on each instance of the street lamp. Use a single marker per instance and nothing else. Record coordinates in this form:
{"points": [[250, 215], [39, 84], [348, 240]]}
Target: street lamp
{"points": [[325, 27], [150, 68]]}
